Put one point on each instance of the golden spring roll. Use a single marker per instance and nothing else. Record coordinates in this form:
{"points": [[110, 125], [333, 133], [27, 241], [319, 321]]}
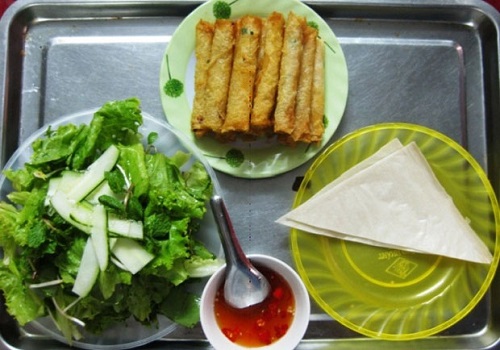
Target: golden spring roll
{"points": [[219, 74], [318, 94], [203, 47], [239, 104], [266, 84], [301, 131], [284, 115]]}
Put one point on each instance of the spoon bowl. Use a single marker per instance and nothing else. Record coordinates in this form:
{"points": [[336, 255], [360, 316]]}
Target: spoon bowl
{"points": [[244, 285]]}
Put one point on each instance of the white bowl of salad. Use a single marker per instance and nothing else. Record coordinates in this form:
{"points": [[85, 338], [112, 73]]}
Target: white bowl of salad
{"points": [[107, 238]]}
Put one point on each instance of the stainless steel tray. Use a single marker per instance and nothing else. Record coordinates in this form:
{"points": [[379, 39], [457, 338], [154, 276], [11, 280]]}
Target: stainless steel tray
{"points": [[434, 63]]}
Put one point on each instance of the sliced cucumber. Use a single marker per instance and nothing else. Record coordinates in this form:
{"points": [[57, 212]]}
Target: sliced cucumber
{"points": [[52, 189], [112, 242], [102, 189], [82, 213], [63, 183], [125, 228], [131, 254], [69, 179], [94, 174], [118, 263], [67, 210], [88, 271], [99, 235]]}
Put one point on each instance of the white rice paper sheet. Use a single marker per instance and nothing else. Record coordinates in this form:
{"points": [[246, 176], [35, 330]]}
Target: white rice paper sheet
{"points": [[391, 199]]}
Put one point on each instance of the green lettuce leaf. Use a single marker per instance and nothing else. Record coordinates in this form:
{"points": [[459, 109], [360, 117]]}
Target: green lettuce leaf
{"points": [[110, 279], [116, 122], [23, 179], [181, 307], [168, 188], [20, 300], [121, 121], [86, 152], [58, 145], [132, 160], [198, 182], [10, 237], [68, 261]]}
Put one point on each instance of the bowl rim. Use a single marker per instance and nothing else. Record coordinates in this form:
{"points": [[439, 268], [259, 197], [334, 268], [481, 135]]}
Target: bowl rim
{"points": [[302, 307]]}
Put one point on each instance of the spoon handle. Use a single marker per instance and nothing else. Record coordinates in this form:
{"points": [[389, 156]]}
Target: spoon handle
{"points": [[230, 243]]}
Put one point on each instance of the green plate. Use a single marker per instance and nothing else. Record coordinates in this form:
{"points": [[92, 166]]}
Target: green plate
{"points": [[393, 294], [266, 157]]}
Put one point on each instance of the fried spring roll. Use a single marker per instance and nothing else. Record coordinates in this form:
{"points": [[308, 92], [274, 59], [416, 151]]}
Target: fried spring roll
{"points": [[266, 84], [318, 94], [203, 48], [302, 132], [239, 104], [219, 74], [284, 115]]}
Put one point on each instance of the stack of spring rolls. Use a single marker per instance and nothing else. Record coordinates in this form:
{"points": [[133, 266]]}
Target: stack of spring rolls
{"points": [[259, 76]]}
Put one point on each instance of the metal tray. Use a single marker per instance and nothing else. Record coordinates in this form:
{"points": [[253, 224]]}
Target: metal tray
{"points": [[434, 63]]}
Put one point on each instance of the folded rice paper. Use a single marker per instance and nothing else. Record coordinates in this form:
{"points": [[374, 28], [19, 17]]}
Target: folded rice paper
{"points": [[391, 199]]}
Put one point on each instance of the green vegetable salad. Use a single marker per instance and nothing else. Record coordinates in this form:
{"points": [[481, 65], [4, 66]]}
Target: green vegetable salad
{"points": [[99, 228]]}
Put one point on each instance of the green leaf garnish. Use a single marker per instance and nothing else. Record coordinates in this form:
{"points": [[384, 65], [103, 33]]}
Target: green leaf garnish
{"points": [[112, 204], [152, 137]]}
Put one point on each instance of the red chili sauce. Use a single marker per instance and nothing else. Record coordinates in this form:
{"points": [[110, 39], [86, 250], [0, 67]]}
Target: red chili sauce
{"points": [[260, 324]]}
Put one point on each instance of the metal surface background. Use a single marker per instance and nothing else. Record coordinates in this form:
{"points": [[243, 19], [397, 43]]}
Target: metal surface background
{"points": [[434, 63]]}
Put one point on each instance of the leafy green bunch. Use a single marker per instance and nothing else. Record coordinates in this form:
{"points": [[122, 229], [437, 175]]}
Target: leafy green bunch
{"points": [[42, 252]]}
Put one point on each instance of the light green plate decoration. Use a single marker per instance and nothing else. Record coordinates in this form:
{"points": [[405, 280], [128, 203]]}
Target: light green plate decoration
{"points": [[263, 157], [393, 294]]}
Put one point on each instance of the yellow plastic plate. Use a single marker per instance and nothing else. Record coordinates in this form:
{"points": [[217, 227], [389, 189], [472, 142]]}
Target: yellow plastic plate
{"points": [[393, 294]]}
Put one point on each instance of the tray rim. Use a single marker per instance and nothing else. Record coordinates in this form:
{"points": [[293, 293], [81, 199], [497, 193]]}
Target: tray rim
{"points": [[490, 339]]}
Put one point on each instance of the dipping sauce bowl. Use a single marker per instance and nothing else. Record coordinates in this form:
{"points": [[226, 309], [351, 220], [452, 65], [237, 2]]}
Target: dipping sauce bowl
{"points": [[278, 323]]}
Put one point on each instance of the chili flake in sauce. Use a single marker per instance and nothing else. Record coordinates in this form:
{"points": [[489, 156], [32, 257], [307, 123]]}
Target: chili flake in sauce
{"points": [[260, 324]]}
